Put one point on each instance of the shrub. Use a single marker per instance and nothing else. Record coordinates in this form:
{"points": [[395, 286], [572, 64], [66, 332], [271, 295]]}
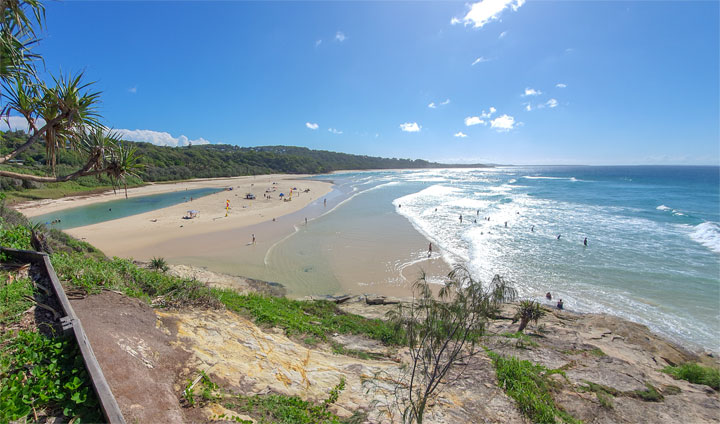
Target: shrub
{"points": [[695, 373]]}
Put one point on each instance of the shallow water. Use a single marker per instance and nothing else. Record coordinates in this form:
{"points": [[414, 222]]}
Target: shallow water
{"points": [[115, 209], [653, 252]]}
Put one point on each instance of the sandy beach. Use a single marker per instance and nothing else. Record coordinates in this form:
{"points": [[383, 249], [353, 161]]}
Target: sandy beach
{"points": [[133, 236]]}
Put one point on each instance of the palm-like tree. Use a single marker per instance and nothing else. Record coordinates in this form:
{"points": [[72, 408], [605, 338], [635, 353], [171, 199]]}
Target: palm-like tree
{"points": [[527, 310]]}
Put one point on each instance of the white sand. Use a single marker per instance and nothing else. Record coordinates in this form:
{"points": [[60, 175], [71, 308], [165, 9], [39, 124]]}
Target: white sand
{"points": [[126, 236]]}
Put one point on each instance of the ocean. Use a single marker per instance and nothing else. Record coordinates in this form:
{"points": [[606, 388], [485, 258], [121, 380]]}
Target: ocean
{"points": [[653, 235]]}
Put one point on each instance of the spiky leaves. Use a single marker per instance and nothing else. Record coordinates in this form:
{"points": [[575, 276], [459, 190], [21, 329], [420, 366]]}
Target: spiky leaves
{"points": [[528, 310]]}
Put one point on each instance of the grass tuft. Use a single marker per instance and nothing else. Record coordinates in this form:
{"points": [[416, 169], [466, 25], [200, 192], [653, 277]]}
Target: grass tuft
{"points": [[695, 373], [531, 388]]}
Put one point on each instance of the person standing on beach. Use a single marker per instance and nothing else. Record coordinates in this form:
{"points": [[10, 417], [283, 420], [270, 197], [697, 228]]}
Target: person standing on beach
{"points": [[429, 250], [253, 239], [560, 304], [324, 202], [305, 221]]}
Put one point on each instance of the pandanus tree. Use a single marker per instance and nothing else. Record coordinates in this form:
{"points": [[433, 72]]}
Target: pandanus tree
{"points": [[527, 311], [62, 115]]}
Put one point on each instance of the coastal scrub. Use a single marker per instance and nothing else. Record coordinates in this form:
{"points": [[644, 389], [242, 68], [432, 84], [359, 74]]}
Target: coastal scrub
{"points": [[695, 373]]}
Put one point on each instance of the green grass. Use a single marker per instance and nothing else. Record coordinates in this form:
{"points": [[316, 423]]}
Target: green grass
{"points": [[318, 318], [695, 373], [650, 394], [522, 339], [531, 388], [13, 297], [283, 409], [13, 236], [42, 376]]}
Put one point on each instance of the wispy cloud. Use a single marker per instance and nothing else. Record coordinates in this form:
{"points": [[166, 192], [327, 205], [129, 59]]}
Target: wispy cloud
{"points": [[434, 105], [460, 134], [551, 103], [528, 107], [335, 131], [132, 90], [489, 113], [318, 42], [158, 138], [503, 123], [312, 125], [485, 11], [340, 36], [410, 127], [480, 59], [502, 35], [560, 85], [474, 120], [531, 92]]}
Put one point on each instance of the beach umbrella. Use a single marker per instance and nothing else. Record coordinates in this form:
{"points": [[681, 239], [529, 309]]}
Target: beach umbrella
{"points": [[282, 194]]}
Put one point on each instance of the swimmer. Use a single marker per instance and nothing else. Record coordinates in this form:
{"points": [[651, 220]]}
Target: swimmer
{"points": [[585, 242]]}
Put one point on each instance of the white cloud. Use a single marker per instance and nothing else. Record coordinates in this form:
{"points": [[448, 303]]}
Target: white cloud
{"points": [[485, 11], [132, 90], [486, 115], [15, 123], [318, 42], [502, 35], [410, 127], [560, 85], [158, 138], [312, 125], [474, 120], [460, 134], [531, 92], [551, 103], [480, 60], [432, 105], [334, 131], [447, 101], [340, 36], [528, 107], [503, 123]]}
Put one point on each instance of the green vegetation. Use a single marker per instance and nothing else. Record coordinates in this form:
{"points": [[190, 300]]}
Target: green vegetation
{"points": [[159, 264], [44, 376], [182, 163], [283, 409], [650, 394], [318, 318], [442, 333], [523, 340], [15, 297], [531, 388], [695, 373], [527, 310]]}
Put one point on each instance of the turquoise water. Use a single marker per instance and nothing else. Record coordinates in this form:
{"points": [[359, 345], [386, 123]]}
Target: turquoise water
{"points": [[653, 253], [114, 209]]}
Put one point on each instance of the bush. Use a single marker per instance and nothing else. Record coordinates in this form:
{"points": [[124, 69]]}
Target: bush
{"points": [[695, 373]]}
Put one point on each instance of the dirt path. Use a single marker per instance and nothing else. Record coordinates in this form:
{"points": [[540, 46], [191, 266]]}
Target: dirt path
{"points": [[136, 356]]}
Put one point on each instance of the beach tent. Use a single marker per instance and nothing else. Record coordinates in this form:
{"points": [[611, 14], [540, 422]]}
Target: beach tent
{"points": [[282, 194]]}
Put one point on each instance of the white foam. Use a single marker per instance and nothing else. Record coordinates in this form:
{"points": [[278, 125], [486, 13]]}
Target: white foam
{"points": [[707, 234], [663, 208]]}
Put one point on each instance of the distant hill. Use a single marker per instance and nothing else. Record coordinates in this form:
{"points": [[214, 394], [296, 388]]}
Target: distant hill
{"points": [[223, 160]]}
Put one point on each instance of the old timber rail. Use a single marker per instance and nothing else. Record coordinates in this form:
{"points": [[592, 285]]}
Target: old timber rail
{"points": [[70, 322]]}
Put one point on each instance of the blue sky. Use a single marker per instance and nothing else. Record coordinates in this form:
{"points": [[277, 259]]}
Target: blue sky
{"points": [[504, 81]]}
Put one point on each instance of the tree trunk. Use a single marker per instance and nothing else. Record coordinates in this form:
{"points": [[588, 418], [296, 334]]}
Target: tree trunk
{"points": [[523, 323]]}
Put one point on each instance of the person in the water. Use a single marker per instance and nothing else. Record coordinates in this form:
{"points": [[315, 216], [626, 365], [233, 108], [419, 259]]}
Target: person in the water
{"points": [[585, 242]]}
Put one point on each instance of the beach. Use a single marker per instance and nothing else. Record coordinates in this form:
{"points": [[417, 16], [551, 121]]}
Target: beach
{"points": [[135, 236]]}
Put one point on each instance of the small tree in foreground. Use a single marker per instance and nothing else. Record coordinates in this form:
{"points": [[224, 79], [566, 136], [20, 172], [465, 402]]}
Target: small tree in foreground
{"points": [[527, 310], [442, 333]]}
